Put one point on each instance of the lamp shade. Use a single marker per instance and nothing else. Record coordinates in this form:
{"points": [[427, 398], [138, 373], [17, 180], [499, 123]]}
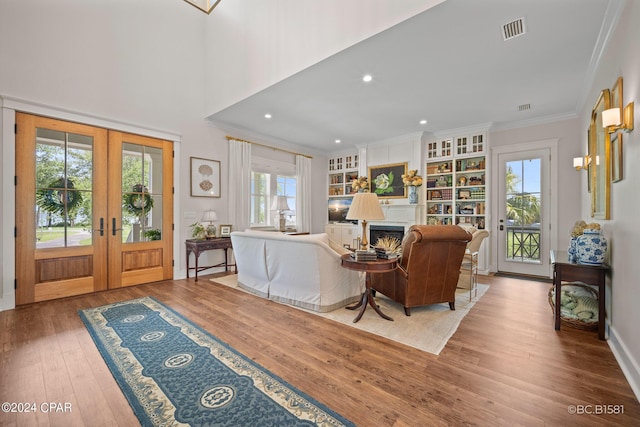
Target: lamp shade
{"points": [[365, 206], [611, 117], [577, 162], [209, 216], [280, 203]]}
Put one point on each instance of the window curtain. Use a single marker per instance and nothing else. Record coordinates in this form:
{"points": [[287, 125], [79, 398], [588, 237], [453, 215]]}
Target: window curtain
{"points": [[239, 184], [303, 193]]}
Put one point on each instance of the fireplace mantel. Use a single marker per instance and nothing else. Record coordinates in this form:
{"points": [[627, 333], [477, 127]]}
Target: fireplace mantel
{"points": [[404, 215]]}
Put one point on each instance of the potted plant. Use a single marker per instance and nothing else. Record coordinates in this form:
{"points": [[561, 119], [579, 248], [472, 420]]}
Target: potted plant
{"points": [[154, 234], [198, 231]]}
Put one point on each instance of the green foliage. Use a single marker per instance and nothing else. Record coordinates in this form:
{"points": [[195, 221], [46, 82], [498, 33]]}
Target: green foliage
{"points": [[154, 234], [198, 230], [59, 197]]}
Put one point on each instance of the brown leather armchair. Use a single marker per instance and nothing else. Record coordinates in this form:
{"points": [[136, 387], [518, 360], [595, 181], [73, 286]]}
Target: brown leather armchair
{"points": [[429, 269]]}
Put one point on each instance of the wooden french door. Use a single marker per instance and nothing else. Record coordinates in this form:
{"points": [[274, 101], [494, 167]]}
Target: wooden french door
{"points": [[93, 209]]}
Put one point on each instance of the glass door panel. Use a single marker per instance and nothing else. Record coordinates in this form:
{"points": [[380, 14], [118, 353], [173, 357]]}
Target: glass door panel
{"points": [[141, 193], [63, 194]]}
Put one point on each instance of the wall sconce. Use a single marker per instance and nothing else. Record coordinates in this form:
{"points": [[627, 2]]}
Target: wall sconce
{"points": [[612, 120], [581, 163]]}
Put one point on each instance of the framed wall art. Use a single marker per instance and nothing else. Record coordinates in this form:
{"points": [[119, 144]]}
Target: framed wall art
{"points": [[600, 153], [386, 180], [205, 177]]}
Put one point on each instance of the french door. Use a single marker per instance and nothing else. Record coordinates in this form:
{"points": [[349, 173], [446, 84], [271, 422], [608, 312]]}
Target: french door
{"points": [[523, 212], [93, 209]]}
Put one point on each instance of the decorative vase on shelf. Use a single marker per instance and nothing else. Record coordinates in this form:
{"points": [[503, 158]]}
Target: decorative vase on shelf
{"points": [[591, 247], [413, 195]]}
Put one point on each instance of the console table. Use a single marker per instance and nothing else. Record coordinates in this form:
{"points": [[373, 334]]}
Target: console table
{"points": [[564, 270], [199, 246]]}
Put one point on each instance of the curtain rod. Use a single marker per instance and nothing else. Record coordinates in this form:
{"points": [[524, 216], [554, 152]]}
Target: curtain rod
{"points": [[267, 146]]}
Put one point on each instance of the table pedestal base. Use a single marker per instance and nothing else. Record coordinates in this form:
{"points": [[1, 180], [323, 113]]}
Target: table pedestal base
{"points": [[367, 299]]}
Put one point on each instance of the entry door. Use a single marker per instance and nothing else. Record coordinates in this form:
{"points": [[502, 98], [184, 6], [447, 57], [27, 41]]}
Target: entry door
{"points": [[524, 212], [140, 209], [69, 193]]}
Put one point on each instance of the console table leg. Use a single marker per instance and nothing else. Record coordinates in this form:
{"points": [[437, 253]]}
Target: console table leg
{"points": [[188, 252]]}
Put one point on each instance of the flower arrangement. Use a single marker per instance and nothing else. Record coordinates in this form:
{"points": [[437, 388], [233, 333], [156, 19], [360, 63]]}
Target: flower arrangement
{"points": [[412, 179], [580, 226], [360, 184]]}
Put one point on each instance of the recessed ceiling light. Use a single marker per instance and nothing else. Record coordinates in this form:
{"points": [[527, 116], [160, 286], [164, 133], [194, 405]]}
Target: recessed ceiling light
{"points": [[423, 122], [338, 141], [367, 78], [267, 116]]}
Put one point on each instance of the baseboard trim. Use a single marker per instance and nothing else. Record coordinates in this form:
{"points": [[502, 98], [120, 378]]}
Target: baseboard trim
{"points": [[628, 364]]}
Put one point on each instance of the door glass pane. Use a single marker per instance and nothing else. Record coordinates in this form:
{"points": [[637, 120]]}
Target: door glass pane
{"points": [[523, 207], [64, 170], [141, 193]]}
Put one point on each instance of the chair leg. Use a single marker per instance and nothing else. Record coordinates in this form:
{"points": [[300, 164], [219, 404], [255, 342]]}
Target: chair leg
{"points": [[407, 311], [452, 305]]}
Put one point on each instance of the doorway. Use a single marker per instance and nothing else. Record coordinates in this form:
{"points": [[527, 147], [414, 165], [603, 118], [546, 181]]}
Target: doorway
{"points": [[94, 209], [524, 212]]}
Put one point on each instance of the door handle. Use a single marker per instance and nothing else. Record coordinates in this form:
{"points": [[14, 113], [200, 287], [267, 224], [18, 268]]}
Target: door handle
{"points": [[113, 227], [501, 227], [101, 229]]}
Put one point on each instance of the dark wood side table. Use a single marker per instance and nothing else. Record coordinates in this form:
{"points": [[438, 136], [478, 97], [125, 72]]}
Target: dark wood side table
{"points": [[199, 246], [564, 270], [369, 267]]}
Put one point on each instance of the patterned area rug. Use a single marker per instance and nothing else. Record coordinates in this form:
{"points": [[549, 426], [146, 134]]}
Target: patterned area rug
{"points": [[428, 328], [174, 373]]}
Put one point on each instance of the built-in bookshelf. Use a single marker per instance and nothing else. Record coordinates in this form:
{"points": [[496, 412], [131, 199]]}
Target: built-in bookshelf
{"points": [[342, 170], [456, 191]]}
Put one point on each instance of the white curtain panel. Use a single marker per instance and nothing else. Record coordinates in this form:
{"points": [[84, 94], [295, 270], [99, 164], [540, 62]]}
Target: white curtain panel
{"points": [[239, 184], [303, 196]]}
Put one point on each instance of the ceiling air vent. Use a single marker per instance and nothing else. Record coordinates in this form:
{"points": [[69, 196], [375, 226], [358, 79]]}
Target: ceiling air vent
{"points": [[524, 107], [513, 29]]}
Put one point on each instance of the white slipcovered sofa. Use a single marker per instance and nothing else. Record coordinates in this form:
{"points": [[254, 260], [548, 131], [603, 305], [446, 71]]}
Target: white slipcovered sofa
{"points": [[302, 270]]}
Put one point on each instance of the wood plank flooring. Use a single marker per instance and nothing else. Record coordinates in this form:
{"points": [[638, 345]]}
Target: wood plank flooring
{"points": [[505, 365]]}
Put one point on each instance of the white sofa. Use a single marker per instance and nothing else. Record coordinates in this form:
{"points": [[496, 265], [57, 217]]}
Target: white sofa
{"points": [[300, 270]]}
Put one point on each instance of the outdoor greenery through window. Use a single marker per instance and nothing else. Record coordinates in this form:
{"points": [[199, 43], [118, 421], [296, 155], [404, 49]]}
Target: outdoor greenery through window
{"points": [[264, 187], [523, 189], [64, 166]]}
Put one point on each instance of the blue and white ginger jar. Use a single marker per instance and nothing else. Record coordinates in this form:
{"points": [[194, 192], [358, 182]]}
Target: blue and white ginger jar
{"points": [[573, 249], [591, 247]]}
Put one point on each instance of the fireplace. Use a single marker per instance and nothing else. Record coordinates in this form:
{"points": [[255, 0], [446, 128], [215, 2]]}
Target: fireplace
{"points": [[378, 231]]}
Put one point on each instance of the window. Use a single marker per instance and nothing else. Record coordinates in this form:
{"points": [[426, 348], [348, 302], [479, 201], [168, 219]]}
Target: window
{"points": [[264, 187], [286, 186], [259, 198]]}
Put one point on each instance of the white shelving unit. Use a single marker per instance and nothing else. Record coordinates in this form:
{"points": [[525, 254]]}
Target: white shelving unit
{"points": [[456, 181]]}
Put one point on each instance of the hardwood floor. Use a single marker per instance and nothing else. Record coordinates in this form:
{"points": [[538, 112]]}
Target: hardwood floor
{"points": [[505, 365]]}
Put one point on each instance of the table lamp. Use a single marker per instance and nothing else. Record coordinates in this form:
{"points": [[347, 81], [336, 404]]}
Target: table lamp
{"points": [[210, 216], [280, 205], [365, 206]]}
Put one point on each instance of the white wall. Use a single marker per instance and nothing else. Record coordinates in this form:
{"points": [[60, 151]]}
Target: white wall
{"points": [[132, 64], [622, 58], [252, 45]]}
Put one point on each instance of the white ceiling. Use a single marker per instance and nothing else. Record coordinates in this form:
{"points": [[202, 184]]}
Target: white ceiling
{"points": [[448, 65]]}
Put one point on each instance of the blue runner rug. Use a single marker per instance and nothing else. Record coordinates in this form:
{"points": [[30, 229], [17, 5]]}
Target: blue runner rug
{"points": [[174, 373]]}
